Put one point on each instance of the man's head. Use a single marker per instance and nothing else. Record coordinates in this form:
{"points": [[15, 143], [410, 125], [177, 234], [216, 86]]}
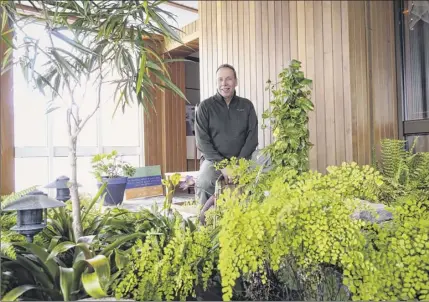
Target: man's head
{"points": [[226, 80]]}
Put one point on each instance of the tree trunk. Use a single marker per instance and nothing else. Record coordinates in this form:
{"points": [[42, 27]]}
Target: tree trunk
{"points": [[74, 193]]}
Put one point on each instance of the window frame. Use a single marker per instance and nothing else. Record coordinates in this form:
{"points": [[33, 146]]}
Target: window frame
{"points": [[405, 127], [51, 151]]}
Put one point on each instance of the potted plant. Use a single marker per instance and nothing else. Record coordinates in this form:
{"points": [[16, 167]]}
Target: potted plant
{"points": [[111, 169]]}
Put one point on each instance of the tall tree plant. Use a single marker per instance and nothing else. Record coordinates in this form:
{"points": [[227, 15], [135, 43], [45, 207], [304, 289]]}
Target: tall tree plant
{"points": [[119, 39]]}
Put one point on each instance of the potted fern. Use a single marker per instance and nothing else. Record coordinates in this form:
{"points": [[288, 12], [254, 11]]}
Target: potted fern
{"points": [[111, 169]]}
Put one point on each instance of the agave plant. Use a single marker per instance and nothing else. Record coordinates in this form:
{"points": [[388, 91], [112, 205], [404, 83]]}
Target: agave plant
{"points": [[120, 40]]}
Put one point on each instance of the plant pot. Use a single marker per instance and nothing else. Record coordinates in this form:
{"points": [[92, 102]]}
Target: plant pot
{"points": [[115, 190]]}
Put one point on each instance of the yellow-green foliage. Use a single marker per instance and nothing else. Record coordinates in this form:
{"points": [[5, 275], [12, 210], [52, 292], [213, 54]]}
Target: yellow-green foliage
{"points": [[308, 218], [396, 265], [295, 219], [163, 268]]}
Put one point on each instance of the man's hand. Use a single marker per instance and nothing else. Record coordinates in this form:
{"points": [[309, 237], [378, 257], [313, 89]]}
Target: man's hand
{"points": [[227, 175]]}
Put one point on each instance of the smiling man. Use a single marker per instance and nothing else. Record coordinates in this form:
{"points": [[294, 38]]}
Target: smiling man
{"points": [[226, 126]]}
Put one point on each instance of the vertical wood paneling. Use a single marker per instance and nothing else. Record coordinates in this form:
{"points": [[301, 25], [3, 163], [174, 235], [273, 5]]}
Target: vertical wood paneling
{"points": [[340, 147], [265, 68], [346, 81], [239, 64], [165, 127], [7, 143], [153, 130], [204, 67], [309, 41], [358, 80], [383, 70], [251, 59], [246, 55], [333, 41], [260, 80], [318, 87]]}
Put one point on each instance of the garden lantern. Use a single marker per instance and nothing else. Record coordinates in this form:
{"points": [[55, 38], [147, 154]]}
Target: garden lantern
{"points": [[32, 212], [62, 185]]}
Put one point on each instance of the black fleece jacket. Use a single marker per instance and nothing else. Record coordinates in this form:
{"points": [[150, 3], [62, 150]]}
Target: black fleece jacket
{"points": [[223, 132]]}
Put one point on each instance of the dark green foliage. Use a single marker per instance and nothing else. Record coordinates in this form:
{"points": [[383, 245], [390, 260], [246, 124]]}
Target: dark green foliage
{"points": [[288, 117]]}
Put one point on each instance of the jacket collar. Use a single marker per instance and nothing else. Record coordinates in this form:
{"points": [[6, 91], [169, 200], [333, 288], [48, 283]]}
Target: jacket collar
{"points": [[218, 97]]}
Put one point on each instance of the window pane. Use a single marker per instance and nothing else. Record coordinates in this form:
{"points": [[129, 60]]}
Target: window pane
{"points": [[422, 142], [61, 166], [122, 129], [417, 70], [30, 172], [88, 136], [29, 114], [133, 160]]}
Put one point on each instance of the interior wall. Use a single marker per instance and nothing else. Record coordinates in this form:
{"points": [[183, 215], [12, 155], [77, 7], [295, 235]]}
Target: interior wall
{"points": [[373, 76], [260, 38], [7, 144]]}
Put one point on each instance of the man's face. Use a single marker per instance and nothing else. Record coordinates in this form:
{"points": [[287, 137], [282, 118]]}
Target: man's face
{"points": [[226, 82]]}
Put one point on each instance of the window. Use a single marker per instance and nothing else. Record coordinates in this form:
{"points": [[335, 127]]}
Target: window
{"points": [[413, 46], [41, 140]]}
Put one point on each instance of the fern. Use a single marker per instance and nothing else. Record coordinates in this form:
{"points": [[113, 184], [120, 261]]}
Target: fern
{"points": [[393, 156], [7, 221], [5, 200], [403, 171]]}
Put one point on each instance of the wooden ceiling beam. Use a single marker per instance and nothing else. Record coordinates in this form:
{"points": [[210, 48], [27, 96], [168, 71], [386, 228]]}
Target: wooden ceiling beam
{"points": [[181, 6]]}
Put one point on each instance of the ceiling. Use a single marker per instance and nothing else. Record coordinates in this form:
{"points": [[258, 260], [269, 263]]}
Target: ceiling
{"points": [[183, 17]]}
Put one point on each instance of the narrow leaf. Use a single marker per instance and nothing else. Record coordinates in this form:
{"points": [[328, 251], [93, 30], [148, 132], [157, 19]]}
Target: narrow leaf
{"points": [[17, 292], [66, 279], [141, 72], [61, 248]]}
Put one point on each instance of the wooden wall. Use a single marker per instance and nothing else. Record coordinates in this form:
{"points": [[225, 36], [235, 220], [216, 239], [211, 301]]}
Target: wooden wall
{"points": [[345, 48], [165, 126], [373, 75], [7, 155]]}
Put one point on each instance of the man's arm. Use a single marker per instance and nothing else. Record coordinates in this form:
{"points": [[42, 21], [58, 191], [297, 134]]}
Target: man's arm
{"points": [[252, 135], [202, 137]]}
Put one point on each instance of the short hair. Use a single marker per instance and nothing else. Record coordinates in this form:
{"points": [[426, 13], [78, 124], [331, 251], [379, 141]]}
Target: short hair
{"points": [[227, 66]]}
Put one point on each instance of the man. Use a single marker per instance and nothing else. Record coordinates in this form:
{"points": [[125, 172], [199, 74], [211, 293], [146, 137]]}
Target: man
{"points": [[226, 126]]}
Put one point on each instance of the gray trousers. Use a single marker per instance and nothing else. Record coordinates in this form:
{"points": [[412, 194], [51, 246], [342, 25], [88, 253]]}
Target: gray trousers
{"points": [[206, 181]]}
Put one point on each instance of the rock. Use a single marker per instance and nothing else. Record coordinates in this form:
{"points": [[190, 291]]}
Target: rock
{"points": [[376, 213]]}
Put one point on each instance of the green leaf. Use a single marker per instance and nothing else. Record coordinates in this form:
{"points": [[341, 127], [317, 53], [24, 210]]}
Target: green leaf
{"points": [[65, 65], [142, 71], [170, 85], [96, 283], [17, 292], [61, 248], [72, 42], [66, 280], [42, 254], [121, 241], [78, 60]]}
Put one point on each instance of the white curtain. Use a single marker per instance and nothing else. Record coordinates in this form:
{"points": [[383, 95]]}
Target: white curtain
{"points": [[419, 10]]}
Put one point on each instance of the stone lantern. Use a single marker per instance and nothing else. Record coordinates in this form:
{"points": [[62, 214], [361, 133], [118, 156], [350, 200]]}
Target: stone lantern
{"points": [[32, 212], [62, 185]]}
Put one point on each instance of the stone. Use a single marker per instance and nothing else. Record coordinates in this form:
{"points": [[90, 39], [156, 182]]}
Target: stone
{"points": [[376, 213]]}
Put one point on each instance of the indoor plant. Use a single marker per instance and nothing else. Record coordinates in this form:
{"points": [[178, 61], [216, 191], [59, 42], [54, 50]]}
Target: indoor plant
{"points": [[88, 42], [110, 168]]}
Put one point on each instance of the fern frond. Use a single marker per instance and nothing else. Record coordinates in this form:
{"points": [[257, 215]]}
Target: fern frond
{"points": [[5, 200], [393, 156]]}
